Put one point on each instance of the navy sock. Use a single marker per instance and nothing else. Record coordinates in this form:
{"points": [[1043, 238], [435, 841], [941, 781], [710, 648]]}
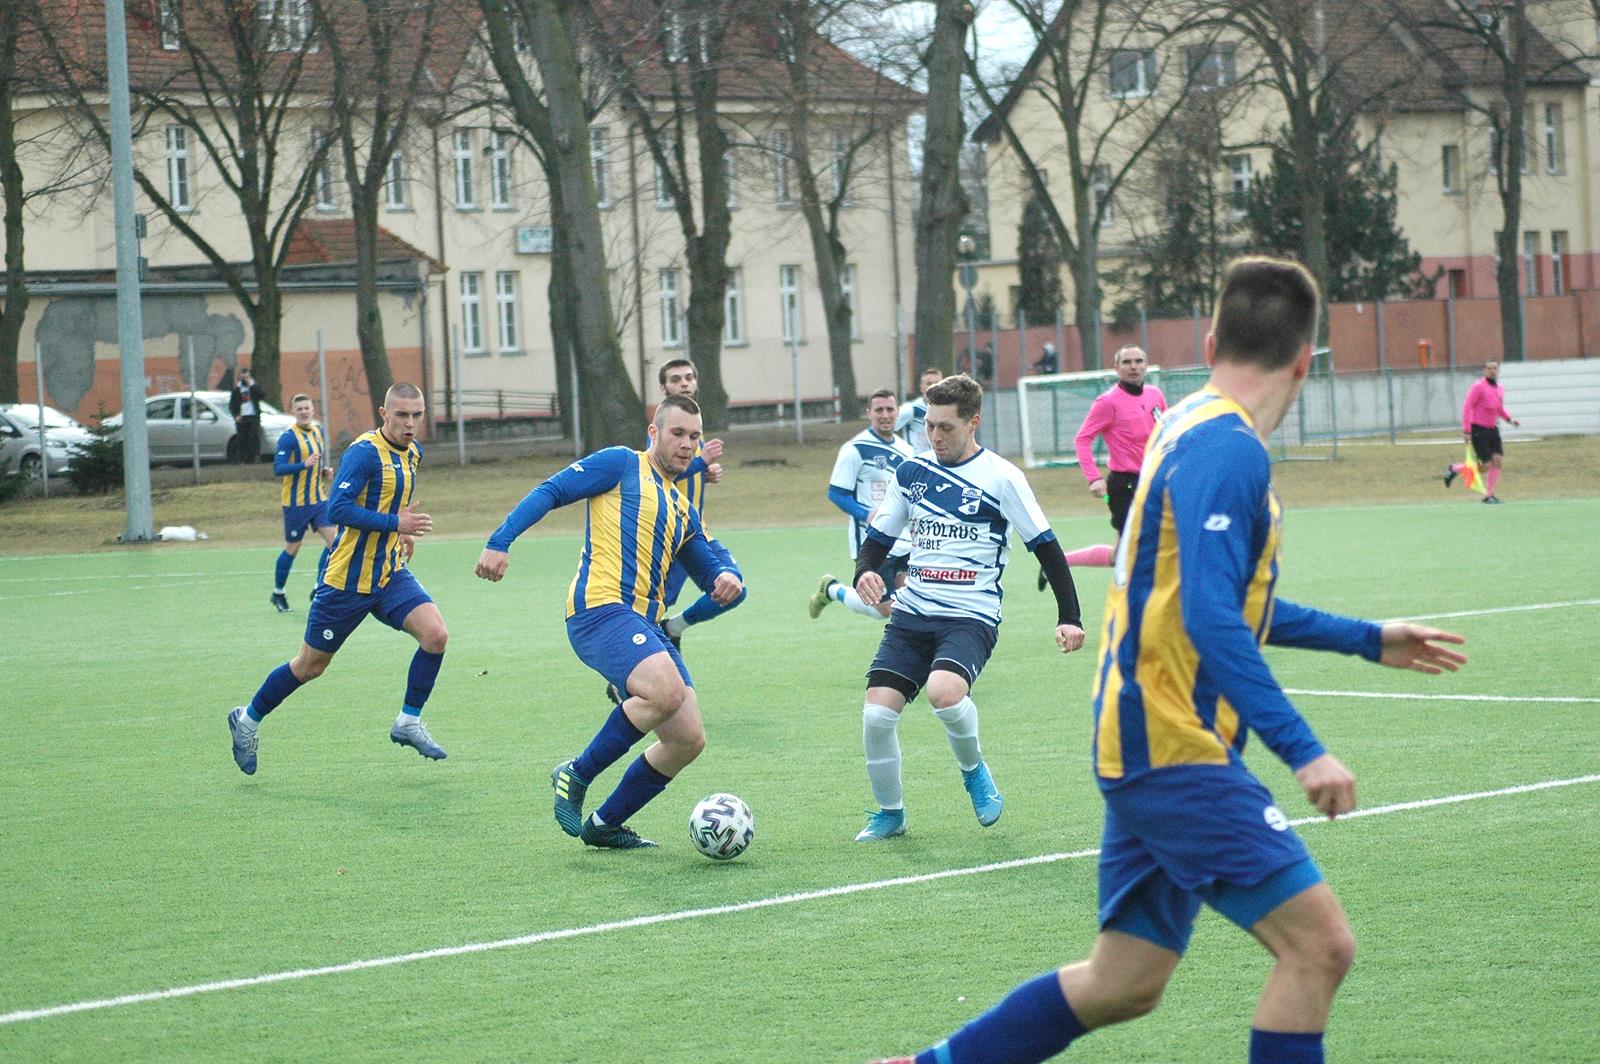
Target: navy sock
{"points": [[1285, 1047], [705, 608], [285, 562], [639, 784], [279, 684], [1032, 1023], [615, 738], [419, 683], [322, 563]]}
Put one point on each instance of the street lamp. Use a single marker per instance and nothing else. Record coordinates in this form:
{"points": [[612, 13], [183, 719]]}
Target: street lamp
{"points": [[966, 249]]}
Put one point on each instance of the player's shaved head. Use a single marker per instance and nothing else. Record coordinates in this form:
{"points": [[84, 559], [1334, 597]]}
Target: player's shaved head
{"points": [[675, 402], [401, 390], [1266, 312]]}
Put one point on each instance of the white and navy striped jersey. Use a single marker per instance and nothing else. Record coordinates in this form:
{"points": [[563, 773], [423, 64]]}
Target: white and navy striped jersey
{"points": [[960, 519], [864, 470], [913, 422]]}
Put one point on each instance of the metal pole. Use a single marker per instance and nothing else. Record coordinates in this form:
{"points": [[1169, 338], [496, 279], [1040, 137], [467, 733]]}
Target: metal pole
{"points": [[577, 407], [1450, 329], [44, 442], [1199, 339], [1383, 346], [972, 335], [1061, 344], [799, 412], [130, 324], [1023, 365], [461, 417], [322, 390], [900, 378], [1144, 330], [194, 412], [994, 374]]}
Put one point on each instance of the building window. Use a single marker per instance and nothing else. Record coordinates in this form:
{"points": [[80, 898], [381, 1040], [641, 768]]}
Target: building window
{"points": [[663, 188], [288, 24], [326, 191], [1132, 73], [733, 308], [499, 169], [178, 169], [839, 163], [394, 182], [671, 310], [789, 304], [472, 313], [597, 162], [1238, 184], [1450, 168], [1558, 269], [466, 180], [1210, 66], [505, 305], [782, 172], [1555, 151], [169, 24], [1100, 188], [847, 288], [1530, 259]]}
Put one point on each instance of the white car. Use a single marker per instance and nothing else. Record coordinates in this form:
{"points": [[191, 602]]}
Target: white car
{"points": [[171, 432], [19, 439]]}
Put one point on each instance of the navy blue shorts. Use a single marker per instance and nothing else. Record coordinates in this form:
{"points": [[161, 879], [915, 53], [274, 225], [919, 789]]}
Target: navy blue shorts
{"points": [[335, 613], [612, 640], [297, 519], [1179, 837], [677, 575], [914, 646]]}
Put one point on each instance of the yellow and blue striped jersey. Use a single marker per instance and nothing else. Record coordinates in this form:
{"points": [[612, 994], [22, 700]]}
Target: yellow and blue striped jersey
{"points": [[302, 480], [638, 523], [1192, 600], [375, 481]]}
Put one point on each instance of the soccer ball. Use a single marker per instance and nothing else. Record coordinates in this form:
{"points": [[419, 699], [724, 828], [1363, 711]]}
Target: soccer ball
{"points": [[722, 826]]}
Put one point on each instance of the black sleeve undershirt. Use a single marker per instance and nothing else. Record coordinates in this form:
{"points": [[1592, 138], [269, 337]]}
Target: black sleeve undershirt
{"points": [[871, 555], [1054, 563]]}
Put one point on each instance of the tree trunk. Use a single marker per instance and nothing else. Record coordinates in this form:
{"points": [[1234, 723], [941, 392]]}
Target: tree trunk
{"points": [[1513, 156], [944, 202], [563, 327], [11, 190], [603, 378], [266, 321], [707, 254], [1086, 295], [1307, 139], [369, 315]]}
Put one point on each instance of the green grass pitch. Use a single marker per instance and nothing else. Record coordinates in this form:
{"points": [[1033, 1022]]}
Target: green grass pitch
{"points": [[135, 856]]}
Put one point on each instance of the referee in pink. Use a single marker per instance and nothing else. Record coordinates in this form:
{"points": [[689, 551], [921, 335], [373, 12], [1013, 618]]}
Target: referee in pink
{"points": [[1125, 415], [1481, 415]]}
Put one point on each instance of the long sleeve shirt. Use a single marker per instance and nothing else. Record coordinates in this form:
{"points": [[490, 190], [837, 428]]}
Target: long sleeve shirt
{"points": [[1126, 421], [1485, 406]]}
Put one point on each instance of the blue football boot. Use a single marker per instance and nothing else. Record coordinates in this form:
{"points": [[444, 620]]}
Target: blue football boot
{"points": [[244, 742], [612, 836], [570, 789], [986, 800], [413, 733], [884, 824]]}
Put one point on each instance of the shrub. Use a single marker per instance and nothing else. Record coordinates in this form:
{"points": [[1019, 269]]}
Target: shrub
{"points": [[97, 465]]}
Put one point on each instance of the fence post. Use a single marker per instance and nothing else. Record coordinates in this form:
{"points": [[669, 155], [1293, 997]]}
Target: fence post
{"points": [[461, 418], [194, 412], [1450, 329], [1023, 365], [1388, 381], [1144, 330], [322, 389], [1061, 343], [1199, 340], [1383, 350], [44, 442], [799, 411]]}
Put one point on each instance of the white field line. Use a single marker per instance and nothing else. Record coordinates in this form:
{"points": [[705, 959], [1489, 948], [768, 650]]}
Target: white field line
{"points": [[117, 576], [1442, 698], [1497, 609], [191, 990]]}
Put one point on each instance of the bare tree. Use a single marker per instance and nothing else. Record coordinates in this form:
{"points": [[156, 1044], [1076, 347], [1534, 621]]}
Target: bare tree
{"points": [[380, 52], [237, 89], [943, 204], [666, 72]]}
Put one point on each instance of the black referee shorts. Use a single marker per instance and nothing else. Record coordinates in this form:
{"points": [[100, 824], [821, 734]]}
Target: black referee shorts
{"points": [[1486, 442], [1119, 496]]}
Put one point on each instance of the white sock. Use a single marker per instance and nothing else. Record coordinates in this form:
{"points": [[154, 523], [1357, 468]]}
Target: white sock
{"points": [[961, 725], [852, 601], [247, 723], [277, 591], [675, 626], [882, 743]]}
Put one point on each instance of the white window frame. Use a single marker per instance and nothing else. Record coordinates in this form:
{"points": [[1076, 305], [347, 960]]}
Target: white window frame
{"points": [[663, 193], [288, 24], [465, 170], [1144, 80], [671, 308], [500, 170], [852, 299], [472, 313], [169, 24], [599, 165], [180, 191], [1555, 151], [838, 161], [782, 174], [1530, 260], [1100, 189], [505, 305], [733, 308], [325, 189], [674, 46], [1221, 57], [394, 183], [1450, 167], [790, 309], [1239, 181], [1558, 272]]}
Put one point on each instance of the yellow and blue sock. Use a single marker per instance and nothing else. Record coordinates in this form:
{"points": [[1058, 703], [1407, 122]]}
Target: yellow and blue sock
{"points": [[419, 682], [639, 785], [285, 563], [1285, 1047], [1032, 1023], [615, 738]]}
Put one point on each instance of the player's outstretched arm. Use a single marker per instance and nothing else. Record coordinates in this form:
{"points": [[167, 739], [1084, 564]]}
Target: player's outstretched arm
{"points": [[587, 477], [1420, 649]]}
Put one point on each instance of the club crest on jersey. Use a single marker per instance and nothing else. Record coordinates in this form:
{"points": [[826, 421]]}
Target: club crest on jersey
{"points": [[971, 499], [881, 461], [915, 491]]}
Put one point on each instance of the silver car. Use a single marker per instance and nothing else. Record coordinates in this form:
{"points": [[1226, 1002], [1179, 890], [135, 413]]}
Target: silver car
{"points": [[167, 417], [19, 439]]}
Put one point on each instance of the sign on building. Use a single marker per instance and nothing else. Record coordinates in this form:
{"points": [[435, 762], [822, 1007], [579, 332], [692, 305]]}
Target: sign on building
{"points": [[534, 239]]}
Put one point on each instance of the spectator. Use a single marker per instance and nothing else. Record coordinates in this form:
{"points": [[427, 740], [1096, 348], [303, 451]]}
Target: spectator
{"points": [[1049, 361], [986, 363], [244, 403]]}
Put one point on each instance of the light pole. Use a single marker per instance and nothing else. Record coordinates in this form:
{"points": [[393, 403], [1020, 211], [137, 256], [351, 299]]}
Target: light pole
{"points": [[966, 247]]}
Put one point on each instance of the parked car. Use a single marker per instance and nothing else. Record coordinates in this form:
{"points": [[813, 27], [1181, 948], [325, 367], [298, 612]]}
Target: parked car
{"points": [[19, 439], [167, 418]]}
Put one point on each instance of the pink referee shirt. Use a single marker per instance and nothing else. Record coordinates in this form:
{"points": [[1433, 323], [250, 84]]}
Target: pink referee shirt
{"points": [[1485, 407], [1126, 422]]}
